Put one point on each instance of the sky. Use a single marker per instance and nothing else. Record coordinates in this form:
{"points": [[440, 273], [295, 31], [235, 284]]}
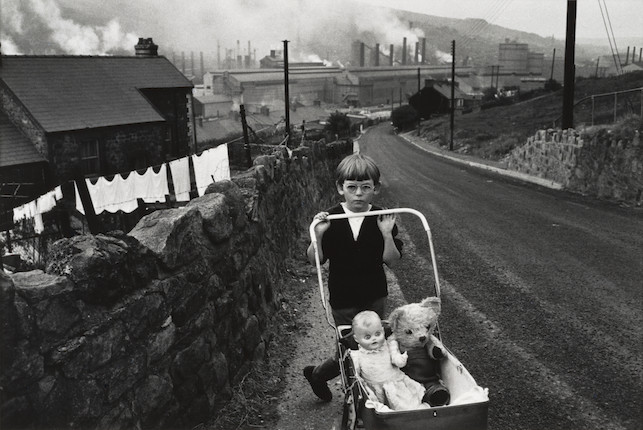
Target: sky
{"points": [[98, 27]]}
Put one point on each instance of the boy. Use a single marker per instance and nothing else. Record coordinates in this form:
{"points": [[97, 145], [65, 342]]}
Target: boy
{"points": [[356, 248]]}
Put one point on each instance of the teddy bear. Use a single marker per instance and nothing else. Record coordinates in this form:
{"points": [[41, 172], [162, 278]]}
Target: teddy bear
{"points": [[412, 327], [378, 361]]}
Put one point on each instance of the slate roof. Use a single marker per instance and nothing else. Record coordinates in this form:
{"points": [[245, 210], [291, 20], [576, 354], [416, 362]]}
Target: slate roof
{"points": [[15, 148], [77, 92]]}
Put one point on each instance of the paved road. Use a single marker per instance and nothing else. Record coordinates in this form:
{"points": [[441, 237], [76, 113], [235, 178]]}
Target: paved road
{"points": [[542, 289]]}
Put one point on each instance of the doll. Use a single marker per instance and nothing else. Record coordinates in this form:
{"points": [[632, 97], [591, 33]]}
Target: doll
{"points": [[378, 362]]}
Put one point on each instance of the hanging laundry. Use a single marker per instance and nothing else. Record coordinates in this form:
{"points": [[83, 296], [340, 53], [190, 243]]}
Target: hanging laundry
{"points": [[150, 186], [35, 208], [181, 178], [212, 164], [110, 195]]}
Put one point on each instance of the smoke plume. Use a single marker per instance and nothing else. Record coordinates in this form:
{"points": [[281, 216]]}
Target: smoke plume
{"points": [[322, 28]]}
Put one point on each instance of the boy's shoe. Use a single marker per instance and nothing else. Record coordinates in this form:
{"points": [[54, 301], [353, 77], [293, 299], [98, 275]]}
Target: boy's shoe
{"points": [[320, 388]]}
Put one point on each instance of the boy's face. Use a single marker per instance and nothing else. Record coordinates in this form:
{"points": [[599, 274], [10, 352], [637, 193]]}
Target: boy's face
{"points": [[358, 194]]}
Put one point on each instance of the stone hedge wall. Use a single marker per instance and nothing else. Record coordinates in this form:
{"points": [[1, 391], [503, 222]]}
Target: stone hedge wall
{"points": [[151, 329], [597, 162]]}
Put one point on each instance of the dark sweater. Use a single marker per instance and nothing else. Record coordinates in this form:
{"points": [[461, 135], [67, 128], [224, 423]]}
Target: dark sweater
{"points": [[356, 275]]}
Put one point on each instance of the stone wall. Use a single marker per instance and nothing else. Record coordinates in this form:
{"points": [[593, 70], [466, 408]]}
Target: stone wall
{"points": [[152, 328], [599, 162]]}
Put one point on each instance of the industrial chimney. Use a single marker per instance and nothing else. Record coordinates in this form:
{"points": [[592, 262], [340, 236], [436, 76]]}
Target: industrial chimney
{"points": [[404, 51], [146, 48]]}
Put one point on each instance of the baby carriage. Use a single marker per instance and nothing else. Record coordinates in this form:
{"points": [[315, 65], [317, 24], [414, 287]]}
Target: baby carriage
{"points": [[468, 408]]}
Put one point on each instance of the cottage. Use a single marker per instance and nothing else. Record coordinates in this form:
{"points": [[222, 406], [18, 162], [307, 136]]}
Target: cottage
{"points": [[66, 116]]}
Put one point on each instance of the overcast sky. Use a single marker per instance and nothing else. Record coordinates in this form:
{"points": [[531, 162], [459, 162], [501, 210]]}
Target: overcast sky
{"points": [[97, 27], [543, 17]]}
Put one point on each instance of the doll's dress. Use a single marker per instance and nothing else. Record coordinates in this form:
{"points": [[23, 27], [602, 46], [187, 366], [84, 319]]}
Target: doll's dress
{"points": [[390, 385]]}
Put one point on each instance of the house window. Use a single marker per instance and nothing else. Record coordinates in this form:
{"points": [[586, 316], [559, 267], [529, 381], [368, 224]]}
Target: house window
{"points": [[89, 157]]}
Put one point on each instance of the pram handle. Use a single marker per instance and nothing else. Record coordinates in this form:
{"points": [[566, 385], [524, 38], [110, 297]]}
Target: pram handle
{"points": [[313, 239]]}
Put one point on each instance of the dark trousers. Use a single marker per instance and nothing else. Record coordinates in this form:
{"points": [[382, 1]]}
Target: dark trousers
{"points": [[329, 369]]}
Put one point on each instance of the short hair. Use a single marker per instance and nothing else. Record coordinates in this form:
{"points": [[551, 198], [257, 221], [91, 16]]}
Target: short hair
{"points": [[357, 167], [366, 319]]}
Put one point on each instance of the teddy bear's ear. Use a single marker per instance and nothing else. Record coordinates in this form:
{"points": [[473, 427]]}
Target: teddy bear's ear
{"points": [[394, 317], [433, 303]]}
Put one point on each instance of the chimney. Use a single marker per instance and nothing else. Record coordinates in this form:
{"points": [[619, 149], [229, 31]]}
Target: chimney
{"points": [[361, 54], [424, 50], [417, 52], [391, 55], [273, 54], [377, 54], [627, 56], [146, 48], [404, 51]]}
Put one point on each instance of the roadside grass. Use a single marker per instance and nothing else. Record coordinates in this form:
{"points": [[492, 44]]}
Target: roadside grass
{"points": [[493, 133]]}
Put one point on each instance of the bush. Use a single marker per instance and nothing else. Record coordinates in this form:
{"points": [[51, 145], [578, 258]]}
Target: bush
{"points": [[404, 117]]}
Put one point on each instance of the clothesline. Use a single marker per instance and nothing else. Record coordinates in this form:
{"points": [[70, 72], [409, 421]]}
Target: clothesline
{"points": [[122, 191]]}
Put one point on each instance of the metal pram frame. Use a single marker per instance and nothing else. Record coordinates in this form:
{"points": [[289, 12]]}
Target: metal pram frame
{"points": [[468, 415]]}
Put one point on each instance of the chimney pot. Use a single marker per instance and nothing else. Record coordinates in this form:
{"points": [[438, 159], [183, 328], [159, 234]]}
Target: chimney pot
{"points": [[146, 47]]}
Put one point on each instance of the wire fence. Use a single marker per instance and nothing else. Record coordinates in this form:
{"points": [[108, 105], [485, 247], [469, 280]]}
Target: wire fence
{"points": [[607, 108]]}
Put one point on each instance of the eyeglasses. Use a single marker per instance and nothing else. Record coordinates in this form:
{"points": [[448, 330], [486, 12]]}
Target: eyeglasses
{"points": [[364, 188]]}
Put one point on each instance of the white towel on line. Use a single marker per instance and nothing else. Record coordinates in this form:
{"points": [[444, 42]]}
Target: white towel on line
{"points": [[181, 178], [212, 163]]}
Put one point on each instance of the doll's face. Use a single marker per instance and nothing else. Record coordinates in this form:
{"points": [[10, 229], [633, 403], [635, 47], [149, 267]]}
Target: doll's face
{"points": [[370, 337]]}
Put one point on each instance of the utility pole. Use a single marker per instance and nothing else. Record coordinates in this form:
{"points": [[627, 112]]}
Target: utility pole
{"points": [[246, 140], [286, 93], [568, 88], [452, 92]]}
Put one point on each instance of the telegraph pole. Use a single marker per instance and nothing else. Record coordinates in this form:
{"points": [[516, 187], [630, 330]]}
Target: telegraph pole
{"points": [[568, 88], [452, 92], [246, 140], [286, 93]]}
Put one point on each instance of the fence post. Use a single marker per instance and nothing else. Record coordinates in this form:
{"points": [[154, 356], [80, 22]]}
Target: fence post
{"points": [[615, 97], [93, 222]]}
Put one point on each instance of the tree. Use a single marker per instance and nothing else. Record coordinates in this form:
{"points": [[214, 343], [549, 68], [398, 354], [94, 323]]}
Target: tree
{"points": [[404, 117], [338, 124]]}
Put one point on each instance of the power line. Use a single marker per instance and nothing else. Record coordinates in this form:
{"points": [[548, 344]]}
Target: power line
{"points": [[609, 39]]}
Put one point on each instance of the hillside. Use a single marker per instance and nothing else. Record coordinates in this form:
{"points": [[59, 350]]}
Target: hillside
{"points": [[492, 133]]}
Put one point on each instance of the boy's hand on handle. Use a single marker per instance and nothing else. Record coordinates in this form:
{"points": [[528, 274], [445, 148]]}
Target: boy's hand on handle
{"points": [[323, 225], [386, 222]]}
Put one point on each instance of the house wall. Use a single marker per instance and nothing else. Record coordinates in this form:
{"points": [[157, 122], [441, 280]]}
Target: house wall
{"points": [[23, 121], [173, 104], [120, 148]]}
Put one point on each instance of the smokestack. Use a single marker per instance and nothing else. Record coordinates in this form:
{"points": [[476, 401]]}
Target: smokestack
{"points": [[627, 56], [640, 53], [404, 51], [183, 62], [146, 48], [202, 65], [424, 50], [377, 54], [417, 52], [390, 60], [218, 55], [634, 54], [192, 63], [361, 54]]}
